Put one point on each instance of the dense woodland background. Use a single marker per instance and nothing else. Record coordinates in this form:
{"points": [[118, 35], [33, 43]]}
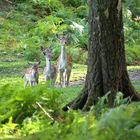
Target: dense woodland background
{"points": [[25, 25]]}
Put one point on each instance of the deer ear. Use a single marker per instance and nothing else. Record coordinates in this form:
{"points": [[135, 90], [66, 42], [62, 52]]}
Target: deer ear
{"points": [[59, 37], [43, 49]]}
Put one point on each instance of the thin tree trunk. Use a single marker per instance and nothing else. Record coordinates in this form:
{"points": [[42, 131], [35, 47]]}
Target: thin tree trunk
{"points": [[107, 70]]}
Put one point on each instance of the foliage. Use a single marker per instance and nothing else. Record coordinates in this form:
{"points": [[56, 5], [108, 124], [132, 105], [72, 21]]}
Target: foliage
{"points": [[32, 53], [33, 23], [126, 117], [132, 30], [20, 115], [132, 54], [22, 103], [134, 5]]}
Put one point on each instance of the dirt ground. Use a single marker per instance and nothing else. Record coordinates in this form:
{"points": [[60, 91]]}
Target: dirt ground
{"points": [[134, 76]]}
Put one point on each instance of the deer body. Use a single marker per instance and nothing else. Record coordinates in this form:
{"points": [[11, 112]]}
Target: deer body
{"points": [[64, 65], [31, 75], [50, 71]]}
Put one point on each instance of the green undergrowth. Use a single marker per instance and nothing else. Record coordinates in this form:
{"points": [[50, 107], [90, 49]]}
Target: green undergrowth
{"points": [[28, 24], [20, 111], [137, 87], [120, 123], [24, 112], [24, 115], [133, 68], [133, 54]]}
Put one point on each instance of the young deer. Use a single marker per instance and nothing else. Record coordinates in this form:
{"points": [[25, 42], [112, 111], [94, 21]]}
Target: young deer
{"points": [[31, 75], [50, 70], [64, 64]]}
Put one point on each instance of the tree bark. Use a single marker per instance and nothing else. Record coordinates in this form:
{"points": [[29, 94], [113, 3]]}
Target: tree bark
{"points": [[107, 71]]}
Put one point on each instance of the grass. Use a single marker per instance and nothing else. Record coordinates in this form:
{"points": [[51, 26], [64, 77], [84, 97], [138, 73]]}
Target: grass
{"points": [[70, 93], [11, 72], [137, 88], [133, 68]]}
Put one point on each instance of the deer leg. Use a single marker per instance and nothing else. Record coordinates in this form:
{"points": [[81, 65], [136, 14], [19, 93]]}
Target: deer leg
{"points": [[68, 76], [45, 78], [61, 78], [25, 84], [54, 80], [34, 83], [64, 77], [30, 82]]}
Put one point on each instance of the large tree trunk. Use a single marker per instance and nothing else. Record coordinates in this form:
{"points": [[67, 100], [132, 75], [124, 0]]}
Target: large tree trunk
{"points": [[107, 70]]}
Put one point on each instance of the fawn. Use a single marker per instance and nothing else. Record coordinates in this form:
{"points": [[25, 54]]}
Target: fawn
{"points": [[31, 75], [50, 71], [64, 64]]}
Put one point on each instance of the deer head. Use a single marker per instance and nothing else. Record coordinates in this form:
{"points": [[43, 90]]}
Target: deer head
{"points": [[62, 40], [34, 65], [31, 75], [47, 52]]}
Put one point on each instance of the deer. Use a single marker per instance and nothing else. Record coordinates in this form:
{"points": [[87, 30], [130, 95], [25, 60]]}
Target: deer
{"points": [[50, 71], [64, 64], [31, 74]]}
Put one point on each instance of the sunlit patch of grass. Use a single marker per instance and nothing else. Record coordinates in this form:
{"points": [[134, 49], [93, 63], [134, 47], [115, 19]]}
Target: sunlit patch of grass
{"points": [[136, 85], [69, 93], [136, 82], [12, 71], [12, 81], [78, 72], [132, 68], [12, 63], [137, 88]]}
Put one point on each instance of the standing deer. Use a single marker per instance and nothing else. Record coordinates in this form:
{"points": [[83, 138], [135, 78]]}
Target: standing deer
{"points": [[50, 70], [64, 64], [31, 75]]}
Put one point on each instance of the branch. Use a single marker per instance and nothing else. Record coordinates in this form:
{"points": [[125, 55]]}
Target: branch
{"points": [[9, 1], [46, 113]]}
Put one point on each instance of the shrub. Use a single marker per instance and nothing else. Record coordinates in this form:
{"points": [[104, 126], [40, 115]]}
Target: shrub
{"points": [[31, 54], [132, 54], [20, 103]]}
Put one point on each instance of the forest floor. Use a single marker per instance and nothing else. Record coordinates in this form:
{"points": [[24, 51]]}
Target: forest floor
{"points": [[14, 69], [134, 76]]}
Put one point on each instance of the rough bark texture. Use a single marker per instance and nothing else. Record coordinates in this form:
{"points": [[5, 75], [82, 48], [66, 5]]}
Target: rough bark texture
{"points": [[107, 70]]}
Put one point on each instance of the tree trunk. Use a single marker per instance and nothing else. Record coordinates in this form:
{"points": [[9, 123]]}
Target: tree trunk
{"points": [[107, 70]]}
